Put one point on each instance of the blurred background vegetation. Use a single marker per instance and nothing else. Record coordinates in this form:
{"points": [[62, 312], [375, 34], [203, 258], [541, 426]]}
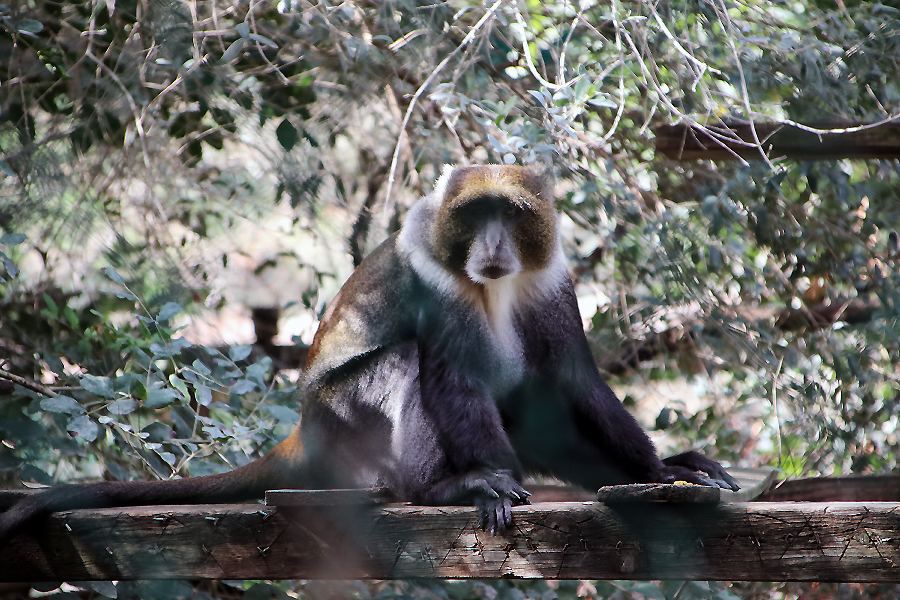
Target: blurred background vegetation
{"points": [[167, 167]]}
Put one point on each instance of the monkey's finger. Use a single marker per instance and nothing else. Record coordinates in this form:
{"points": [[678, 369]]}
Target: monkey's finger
{"points": [[521, 494], [511, 488], [728, 480], [480, 487], [500, 519], [701, 479], [721, 477], [674, 474], [727, 485], [490, 516]]}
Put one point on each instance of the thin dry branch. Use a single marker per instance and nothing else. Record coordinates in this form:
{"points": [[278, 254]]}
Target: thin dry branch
{"points": [[28, 384]]}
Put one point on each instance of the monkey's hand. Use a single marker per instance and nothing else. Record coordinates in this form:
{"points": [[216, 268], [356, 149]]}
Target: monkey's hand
{"points": [[690, 466], [492, 492]]}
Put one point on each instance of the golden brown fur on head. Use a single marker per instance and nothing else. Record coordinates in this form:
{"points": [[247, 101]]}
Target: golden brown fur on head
{"points": [[534, 236]]}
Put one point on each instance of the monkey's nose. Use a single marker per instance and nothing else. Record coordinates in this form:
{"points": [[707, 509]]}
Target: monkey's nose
{"points": [[493, 238]]}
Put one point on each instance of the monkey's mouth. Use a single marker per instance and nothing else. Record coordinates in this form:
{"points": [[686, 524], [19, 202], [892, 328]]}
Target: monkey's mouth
{"points": [[494, 271]]}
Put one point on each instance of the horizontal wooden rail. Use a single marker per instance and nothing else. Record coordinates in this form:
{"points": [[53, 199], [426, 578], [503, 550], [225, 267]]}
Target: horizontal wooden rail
{"points": [[754, 541], [733, 140]]}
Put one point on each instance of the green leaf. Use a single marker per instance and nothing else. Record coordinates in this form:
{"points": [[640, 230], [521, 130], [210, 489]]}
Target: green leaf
{"points": [[287, 135], [284, 414], [138, 390], [9, 265], [112, 274], [602, 101], [99, 386], [158, 432], [263, 40], [242, 387], [200, 367], [179, 385], [172, 348], [85, 427], [52, 307], [123, 407], [233, 51], [120, 294], [33, 473], [203, 394], [63, 404], [55, 364], [168, 457], [71, 317], [239, 353], [169, 310], [160, 398], [29, 26], [715, 259], [13, 239], [257, 372]]}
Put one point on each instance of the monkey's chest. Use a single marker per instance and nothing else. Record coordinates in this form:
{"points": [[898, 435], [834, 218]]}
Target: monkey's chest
{"points": [[504, 359]]}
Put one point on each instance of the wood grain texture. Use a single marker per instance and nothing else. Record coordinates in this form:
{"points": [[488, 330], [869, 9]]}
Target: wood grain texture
{"points": [[752, 482], [759, 541]]}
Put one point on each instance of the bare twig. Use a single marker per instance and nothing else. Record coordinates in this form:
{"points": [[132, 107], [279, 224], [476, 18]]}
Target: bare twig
{"points": [[28, 384], [421, 90]]}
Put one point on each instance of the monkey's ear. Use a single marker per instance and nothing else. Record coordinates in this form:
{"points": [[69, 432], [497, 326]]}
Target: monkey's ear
{"points": [[440, 186]]}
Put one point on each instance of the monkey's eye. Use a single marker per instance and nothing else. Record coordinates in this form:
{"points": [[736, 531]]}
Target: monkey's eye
{"points": [[511, 210]]}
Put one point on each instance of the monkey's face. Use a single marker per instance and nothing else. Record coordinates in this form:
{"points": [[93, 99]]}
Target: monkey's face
{"points": [[494, 222], [490, 245]]}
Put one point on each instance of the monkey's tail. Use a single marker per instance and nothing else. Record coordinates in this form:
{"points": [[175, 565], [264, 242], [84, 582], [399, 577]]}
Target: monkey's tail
{"points": [[281, 468]]}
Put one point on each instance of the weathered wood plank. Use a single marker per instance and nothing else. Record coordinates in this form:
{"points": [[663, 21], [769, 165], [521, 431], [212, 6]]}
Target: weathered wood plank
{"points": [[759, 541], [732, 140], [847, 488], [752, 482]]}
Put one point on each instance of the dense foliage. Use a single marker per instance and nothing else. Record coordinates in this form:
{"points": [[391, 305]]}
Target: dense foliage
{"points": [[165, 160]]}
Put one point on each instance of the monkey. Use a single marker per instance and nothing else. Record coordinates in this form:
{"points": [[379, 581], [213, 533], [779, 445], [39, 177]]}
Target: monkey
{"points": [[452, 362]]}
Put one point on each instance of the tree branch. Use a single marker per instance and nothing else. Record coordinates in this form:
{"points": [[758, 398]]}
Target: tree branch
{"points": [[27, 384]]}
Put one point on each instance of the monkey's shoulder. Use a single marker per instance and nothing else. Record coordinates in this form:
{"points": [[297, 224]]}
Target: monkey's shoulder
{"points": [[375, 308]]}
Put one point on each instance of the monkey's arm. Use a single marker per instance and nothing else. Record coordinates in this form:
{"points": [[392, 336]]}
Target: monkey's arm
{"points": [[623, 447], [483, 465]]}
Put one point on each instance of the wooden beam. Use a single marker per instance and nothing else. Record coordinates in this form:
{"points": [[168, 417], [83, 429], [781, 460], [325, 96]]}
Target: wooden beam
{"points": [[755, 541], [847, 488], [731, 140]]}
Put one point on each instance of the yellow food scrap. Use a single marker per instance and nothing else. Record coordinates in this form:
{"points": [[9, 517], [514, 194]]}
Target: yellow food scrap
{"points": [[683, 483]]}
